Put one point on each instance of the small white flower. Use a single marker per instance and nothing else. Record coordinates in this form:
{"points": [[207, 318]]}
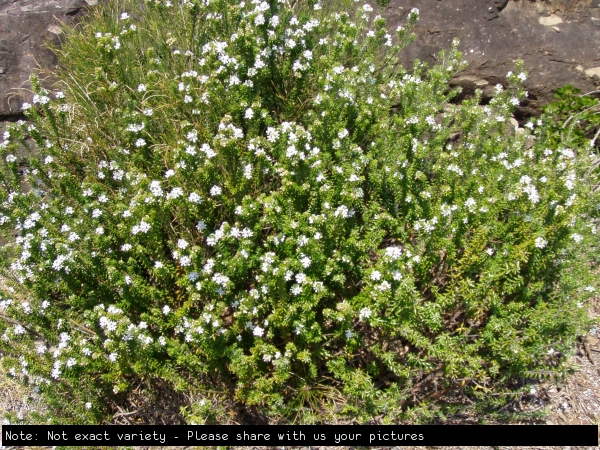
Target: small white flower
{"points": [[540, 242], [88, 405], [365, 313], [258, 331], [375, 275], [182, 244], [141, 88], [577, 237], [305, 262], [215, 190]]}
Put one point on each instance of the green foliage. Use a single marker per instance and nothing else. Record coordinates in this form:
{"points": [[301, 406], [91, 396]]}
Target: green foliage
{"points": [[576, 117], [222, 210]]}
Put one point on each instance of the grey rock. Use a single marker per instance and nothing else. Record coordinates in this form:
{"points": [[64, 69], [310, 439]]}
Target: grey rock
{"points": [[24, 27], [523, 29]]}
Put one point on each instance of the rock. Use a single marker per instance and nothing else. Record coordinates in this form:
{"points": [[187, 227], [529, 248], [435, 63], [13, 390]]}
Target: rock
{"points": [[550, 20], [522, 30], [24, 27]]}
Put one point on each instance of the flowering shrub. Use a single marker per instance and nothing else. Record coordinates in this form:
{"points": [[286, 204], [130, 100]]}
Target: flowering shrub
{"points": [[222, 207]]}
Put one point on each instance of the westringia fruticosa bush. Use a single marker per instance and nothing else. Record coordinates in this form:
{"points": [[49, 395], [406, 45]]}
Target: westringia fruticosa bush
{"points": [[254, 204]]}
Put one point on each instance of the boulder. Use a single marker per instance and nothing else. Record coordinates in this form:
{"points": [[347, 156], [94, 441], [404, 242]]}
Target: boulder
{"points": [[25, 26], [557, 40]]}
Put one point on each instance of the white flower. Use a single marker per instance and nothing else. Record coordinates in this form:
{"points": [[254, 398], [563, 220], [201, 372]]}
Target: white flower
{"points": [[272, 134], [375, 275], [540, 242], [367, 8], [249, 113], [140, 142], [577, 237], [296, 289], [141, 88], [158, 265], [393, 253], [143, 227], [365, 313], [182, 244], [194, 198], [88, 405], [248, 171], [258, 331], [201, 226], [300, 278], [305, 262], [470, 203], [349, 334], [215, 190]]}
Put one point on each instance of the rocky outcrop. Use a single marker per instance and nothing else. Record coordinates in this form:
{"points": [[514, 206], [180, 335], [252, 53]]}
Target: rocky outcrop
{"points": [[558, 41], [25, 25]]}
